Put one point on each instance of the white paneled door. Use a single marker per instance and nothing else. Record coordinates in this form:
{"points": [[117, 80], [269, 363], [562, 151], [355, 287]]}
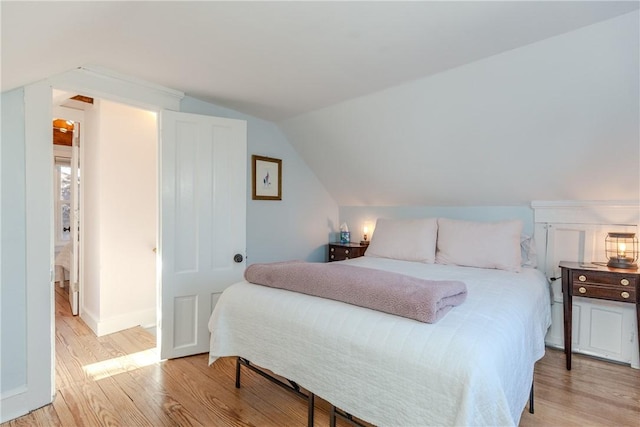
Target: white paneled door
{"points": [[74, 276], [202, 241]]}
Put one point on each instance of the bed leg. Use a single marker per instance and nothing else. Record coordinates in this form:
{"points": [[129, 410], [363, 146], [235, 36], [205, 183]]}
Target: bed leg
{"points": [[237, 372], [310, 409], [531, 400], [332, 417]]}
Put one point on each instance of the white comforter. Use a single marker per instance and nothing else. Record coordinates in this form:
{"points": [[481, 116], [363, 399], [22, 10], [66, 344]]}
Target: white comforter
{"points": [[473, 367]]}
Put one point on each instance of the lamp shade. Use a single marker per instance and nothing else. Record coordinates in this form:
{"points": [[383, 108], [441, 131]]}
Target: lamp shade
{"points": [[621, 250]]}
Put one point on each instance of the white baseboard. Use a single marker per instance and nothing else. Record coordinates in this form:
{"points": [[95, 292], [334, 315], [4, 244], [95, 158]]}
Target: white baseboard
{"points": [[90, 319], [126, 321], [145, 318]]}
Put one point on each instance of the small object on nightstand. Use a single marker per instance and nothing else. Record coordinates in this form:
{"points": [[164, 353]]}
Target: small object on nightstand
{"points": [[342, 251], [622, 250], [364, 240], [345, 236], [613, 284]]}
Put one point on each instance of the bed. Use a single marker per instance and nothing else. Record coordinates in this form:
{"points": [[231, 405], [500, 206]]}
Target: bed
{"points": [[63, 264], [474, 366]]}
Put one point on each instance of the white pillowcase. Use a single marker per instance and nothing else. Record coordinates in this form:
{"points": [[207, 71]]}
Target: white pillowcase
{"points": [[480, 244], [404, 239]]}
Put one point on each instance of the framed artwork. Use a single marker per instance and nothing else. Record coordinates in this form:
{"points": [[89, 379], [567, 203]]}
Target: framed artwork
{"points": [[267, 178]]}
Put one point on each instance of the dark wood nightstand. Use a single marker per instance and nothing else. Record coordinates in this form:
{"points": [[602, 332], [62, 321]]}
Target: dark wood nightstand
{"points": [[342, 251], [595, 281]]}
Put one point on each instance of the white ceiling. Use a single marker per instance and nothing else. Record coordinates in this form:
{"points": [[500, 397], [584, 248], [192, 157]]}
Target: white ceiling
{"points": [[276, 60]]}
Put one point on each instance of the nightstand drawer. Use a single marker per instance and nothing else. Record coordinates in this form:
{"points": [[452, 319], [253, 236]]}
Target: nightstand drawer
{"points": [[343, 251], [612, 293], [604, 278]]}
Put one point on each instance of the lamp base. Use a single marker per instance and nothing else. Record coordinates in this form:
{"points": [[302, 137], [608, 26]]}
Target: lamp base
{"points": [[619, 263], [364, 242]]}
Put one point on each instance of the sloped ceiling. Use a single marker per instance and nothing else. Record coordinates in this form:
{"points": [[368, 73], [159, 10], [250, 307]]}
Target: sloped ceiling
{"points": [[554, 120], [276, 60], [390, 103]]}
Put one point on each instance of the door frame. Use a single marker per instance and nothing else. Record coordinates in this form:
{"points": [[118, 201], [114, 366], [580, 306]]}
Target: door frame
{"points": [[39, 387]]}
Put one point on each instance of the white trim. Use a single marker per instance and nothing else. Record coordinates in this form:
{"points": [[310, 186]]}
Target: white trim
{"points": [[625, 212], [105, 72], [39, 244], [102, 83], [90, 319]]}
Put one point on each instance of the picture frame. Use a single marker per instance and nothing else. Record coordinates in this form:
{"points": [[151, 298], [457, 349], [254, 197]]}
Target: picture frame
{"points": [[266, 173]]}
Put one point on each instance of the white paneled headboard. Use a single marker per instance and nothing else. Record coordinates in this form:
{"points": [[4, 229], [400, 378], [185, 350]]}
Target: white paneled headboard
{"points": [[576, 231]]}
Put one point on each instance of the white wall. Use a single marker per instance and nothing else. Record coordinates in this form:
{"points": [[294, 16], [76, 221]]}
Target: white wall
{"points": [[300, 225], [13, 322], [554, 120], [120, 187]]}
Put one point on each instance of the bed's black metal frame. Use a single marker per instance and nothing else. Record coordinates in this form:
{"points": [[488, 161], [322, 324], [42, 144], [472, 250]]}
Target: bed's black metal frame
{"points": [[292, 386], [310, 397]]}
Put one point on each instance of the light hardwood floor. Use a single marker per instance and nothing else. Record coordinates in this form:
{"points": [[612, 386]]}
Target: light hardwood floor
{"points": [[117, 380]]}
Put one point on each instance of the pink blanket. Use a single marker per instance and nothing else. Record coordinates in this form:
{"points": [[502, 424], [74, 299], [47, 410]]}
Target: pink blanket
{"points": [[406, 296]]}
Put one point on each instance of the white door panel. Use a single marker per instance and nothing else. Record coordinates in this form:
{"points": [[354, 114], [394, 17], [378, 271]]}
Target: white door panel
{"points": [[203, 217]]}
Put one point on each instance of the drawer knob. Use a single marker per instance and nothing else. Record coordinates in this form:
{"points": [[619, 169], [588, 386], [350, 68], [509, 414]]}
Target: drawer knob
{"points": [[333, 249], [582, 278], [582, 290], [346, 251], [624, 282], [625, 295], [332, 257]]}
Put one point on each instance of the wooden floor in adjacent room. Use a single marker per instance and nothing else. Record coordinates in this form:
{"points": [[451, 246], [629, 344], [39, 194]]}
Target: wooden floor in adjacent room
{"points": [[117, 380]]}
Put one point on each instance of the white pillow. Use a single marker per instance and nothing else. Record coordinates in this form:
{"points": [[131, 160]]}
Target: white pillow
{"points": [[480, 244], [405, 239]]}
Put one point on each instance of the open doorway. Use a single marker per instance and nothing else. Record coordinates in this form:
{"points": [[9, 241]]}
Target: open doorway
{"points": [[31, 133], [109, 280], [116, 261]]}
